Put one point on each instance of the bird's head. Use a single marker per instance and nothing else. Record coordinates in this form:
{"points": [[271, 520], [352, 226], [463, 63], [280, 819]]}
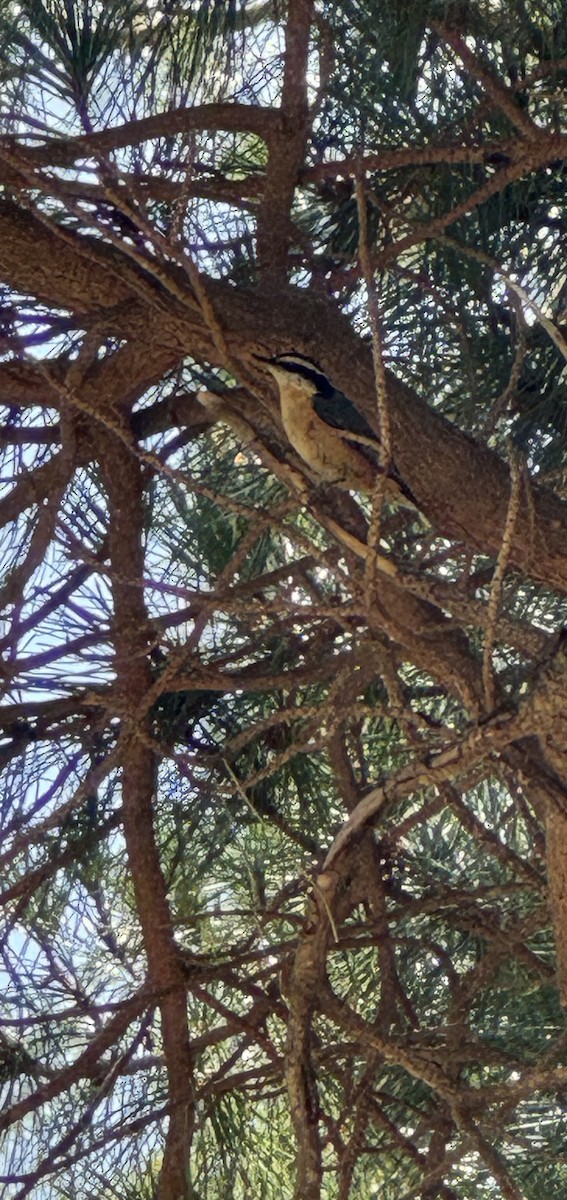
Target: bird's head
{"points": [[300, 369]]}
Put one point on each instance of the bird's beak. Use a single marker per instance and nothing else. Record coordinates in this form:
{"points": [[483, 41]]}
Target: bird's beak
{"points": [[266, 364]]}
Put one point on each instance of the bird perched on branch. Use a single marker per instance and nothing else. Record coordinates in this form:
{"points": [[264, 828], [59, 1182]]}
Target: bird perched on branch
{"points": [[327, 431]]}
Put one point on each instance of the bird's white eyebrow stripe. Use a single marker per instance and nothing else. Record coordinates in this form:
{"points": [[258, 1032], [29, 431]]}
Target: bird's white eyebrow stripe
{"points": [[296, 367]]}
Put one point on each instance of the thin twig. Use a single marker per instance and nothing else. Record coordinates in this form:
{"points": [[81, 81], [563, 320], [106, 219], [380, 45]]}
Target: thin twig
{"points": [[516, 475], [385, 446]]}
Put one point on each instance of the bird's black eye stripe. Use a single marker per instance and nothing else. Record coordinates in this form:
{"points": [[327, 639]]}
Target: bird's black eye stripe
{"points": [[319, 381]]}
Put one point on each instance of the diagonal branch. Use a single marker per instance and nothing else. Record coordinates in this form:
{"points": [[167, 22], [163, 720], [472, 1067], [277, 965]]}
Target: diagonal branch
{"points": [[238, 118], [84, 1064], [461, 485], [503, 97]]}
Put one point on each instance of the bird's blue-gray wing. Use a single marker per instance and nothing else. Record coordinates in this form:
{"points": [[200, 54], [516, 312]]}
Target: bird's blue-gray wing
{"points": [[339, 412]]}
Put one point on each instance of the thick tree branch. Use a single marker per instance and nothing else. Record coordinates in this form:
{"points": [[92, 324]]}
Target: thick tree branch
{"points": [[388, 158], [132, 638], [461, 485], [286, 144], [238, 118]]}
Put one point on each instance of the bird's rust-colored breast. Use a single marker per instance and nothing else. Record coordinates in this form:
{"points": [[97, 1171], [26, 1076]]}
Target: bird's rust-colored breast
{"points": [[322, 447]]}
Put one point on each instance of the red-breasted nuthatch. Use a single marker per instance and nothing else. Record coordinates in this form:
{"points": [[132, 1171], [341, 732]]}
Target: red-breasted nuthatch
{"points": [[328, 431]]}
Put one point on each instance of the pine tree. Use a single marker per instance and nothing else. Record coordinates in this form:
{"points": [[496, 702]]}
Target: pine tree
{"points": [[284, 808]]}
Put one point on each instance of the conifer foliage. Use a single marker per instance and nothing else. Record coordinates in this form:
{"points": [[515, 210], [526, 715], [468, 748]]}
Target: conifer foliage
{"points": [[284, 800]]}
